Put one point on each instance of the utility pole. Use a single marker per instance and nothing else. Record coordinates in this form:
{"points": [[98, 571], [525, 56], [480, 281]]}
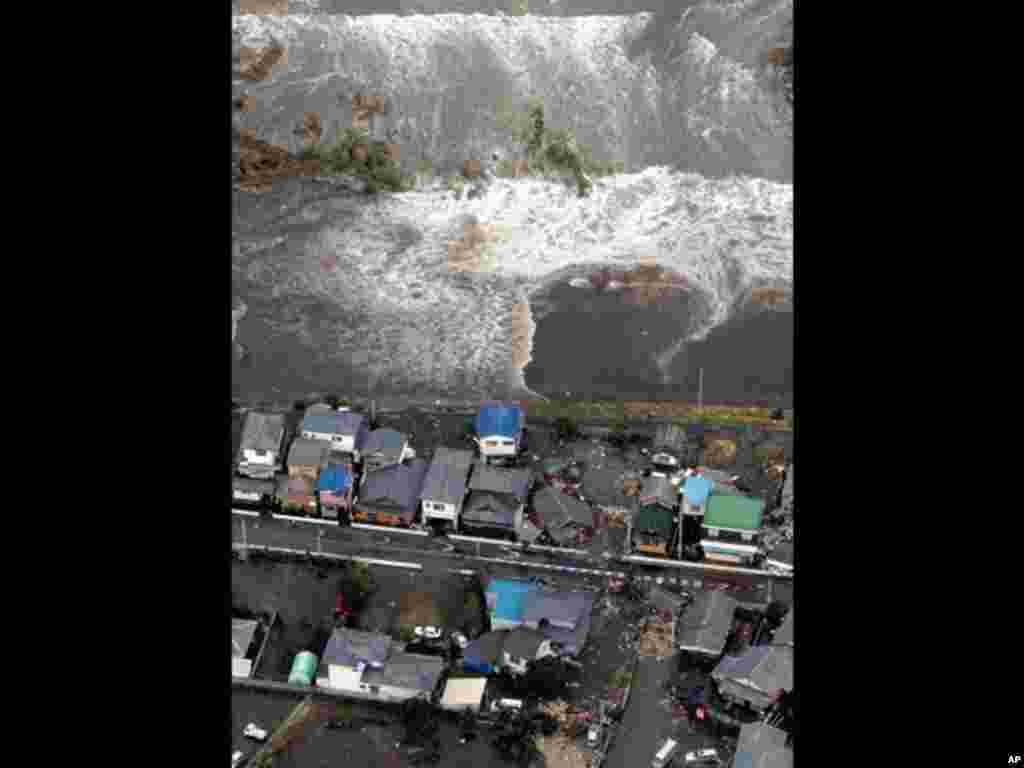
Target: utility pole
{"points": [[245, 543], [700, 392], [319, 548]]}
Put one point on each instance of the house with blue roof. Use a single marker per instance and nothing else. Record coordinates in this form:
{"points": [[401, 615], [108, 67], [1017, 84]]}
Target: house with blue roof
{"points": [[694, 496], [506, 602], [499, 430], [334, 490]]}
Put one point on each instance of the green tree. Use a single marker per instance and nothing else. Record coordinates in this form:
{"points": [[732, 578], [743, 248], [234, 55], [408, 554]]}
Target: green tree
{"points": [[566, 427]]}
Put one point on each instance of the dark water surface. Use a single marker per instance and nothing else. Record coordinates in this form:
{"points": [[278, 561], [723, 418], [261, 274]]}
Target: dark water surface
{"points": [[597, 346]]}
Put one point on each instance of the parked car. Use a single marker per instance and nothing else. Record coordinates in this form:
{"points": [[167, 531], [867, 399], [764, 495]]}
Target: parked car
{"points": [[253, 731], [594, 735], [666, 754], [428, 633], [702, 758], [236, 758]]}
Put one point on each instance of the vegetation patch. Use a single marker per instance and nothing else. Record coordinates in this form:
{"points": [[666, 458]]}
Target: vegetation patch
{"points": [[353, 154], [550, 152]]}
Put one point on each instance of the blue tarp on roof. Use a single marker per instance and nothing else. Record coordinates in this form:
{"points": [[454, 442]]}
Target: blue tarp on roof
{"points": [[333, 479], [696, 489], [506, 600], [499, 419]]}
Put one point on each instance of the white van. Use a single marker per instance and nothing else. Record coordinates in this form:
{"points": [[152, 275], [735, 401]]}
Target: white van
{"points": [[666, 754]]}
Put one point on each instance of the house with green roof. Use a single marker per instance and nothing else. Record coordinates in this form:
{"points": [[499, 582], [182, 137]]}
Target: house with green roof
{"points": [[732, 527], [652, 530]]}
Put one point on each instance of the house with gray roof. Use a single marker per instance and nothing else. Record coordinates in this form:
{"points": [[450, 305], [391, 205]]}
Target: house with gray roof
{"points": [[444, 488], [706, 623], [261, 446], [496, 501], [762, 746], [404, 676], [562, 516], [384, 448], [562, 616], [523, 645], [343, 430], [306, 458], [390, 495], [755, 677], [665, 601]]}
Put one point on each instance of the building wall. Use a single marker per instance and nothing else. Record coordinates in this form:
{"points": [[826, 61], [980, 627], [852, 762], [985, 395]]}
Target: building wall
{"points": [[498, 450], [268, 459], [450, 511], [375, 517]]}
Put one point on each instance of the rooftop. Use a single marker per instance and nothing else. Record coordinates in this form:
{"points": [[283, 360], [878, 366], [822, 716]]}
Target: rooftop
{"points": [[732, 510], [605, 487], [307, 453], [514, 482], [763, 668], [263, 431], [653, 517], [385, 441], [332, 422], [762, 746], [349, 647], [334, 479], [448, 475], [498, 419], [556, 509], [563, 609], [660, 489], [696, 489], [705, 624], [242, 632], [397, 485], [490, 509], [507, 598], [523, 642], [463, 692], [407, 670]]}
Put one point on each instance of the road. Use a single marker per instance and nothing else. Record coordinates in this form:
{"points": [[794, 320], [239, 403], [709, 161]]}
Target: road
{"points": [[350, 542]]}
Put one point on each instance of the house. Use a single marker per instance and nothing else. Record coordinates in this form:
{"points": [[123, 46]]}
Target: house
{"points": [[297, 492], [343, 430], [334, 491], [705, 624], [444, 488], [762, 746], [506, 602], [497, 500], [261, 444], [391, 494], [652, 530], [659, 490], [367, 663], [404, 676], [562, 616], [306, 458], [485, 654], [523, 645], [347, 653], [462, 693], [249, 490], [499, 430], [562, 516], [732, 527], [242, 646], [756, 676], [718, 476], [384, 448]]}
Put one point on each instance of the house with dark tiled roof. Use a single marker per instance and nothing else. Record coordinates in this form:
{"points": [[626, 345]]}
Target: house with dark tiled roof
{"points": [[705, 624], [762, 746], [561, 515], [390, 495], [368, 664], [757, 676], [496, 502]]}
